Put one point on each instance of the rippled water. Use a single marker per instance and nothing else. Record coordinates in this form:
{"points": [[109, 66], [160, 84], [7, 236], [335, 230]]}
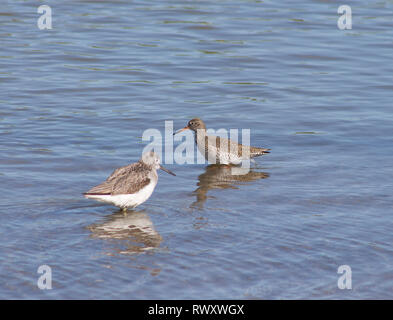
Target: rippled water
{"points": [[75, 101]]}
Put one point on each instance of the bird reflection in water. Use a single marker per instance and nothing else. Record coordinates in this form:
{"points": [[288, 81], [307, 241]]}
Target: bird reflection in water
{"points": [[223, 177], [136, 230]]}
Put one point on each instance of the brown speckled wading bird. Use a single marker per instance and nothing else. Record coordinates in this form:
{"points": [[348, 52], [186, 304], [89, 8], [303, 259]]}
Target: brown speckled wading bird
{"points": [[129, 186], [219, 150]]}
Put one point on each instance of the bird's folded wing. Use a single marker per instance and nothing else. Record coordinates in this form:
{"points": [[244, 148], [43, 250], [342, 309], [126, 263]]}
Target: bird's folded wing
{"points": [[131, 183], [104, 188], [122, 171], [117, 181]]}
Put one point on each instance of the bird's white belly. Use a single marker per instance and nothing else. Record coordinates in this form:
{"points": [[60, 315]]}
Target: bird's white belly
{"points": [[127, 200]]}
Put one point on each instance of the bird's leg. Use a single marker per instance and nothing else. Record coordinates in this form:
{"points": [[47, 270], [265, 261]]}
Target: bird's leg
{"points": [[124, 210]]}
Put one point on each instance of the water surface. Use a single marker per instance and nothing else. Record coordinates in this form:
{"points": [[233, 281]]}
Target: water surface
{"points": [[75, 101]]}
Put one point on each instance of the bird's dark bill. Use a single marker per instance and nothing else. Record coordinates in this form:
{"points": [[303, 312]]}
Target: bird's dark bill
{"points": [[167, 171], [181, 130]]}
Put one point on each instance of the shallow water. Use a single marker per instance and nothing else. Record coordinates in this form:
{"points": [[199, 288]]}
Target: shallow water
{"points": [[75, 101]]}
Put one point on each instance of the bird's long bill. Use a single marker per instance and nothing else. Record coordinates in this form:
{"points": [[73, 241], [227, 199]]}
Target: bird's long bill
{"points": [[167, 171], [181, 130]]}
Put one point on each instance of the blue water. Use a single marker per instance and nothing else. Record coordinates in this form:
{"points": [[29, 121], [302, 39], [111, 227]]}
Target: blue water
{"points": [[76, 99]]}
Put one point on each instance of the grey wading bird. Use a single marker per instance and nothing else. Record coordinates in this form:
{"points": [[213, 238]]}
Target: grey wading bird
{"points": [[129, 186]]}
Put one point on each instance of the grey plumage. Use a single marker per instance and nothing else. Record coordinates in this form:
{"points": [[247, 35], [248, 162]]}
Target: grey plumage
{"points": [[124, 180], [131, 185]]}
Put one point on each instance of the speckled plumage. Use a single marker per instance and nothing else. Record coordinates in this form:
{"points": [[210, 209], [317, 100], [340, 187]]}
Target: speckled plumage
{"points": [[219, 150]]}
